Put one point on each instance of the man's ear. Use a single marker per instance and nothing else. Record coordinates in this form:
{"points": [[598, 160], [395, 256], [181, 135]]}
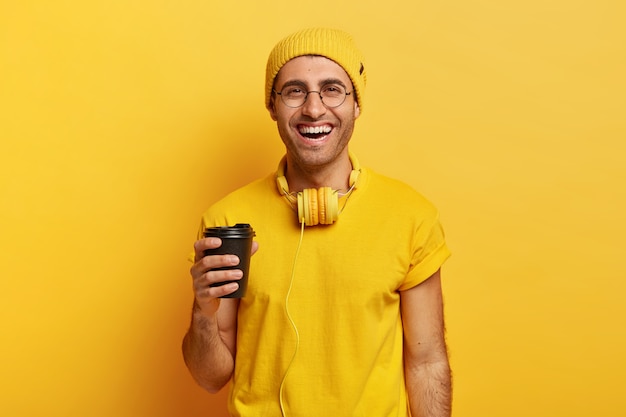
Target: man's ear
{"points": [[357, 110], [271, 107]]}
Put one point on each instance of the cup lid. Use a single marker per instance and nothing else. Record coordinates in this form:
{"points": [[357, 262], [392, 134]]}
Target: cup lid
{"points": [[240, 230]]}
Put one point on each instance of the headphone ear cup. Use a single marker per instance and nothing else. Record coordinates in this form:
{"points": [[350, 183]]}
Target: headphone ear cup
{"points": [[302, 212], [332, 206], [308, 207], [313, 218], [321, 204], [328, 203]]}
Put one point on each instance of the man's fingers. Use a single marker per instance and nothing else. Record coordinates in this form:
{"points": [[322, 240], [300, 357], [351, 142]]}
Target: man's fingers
{"points": [[207, 243]]}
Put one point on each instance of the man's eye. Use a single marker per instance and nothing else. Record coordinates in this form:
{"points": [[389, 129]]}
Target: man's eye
{"points": [[332, 90], [293, 91]]}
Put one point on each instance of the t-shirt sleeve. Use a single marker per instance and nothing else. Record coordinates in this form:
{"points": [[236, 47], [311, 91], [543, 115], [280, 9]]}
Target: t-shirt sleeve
{"points": [[429, 252]]}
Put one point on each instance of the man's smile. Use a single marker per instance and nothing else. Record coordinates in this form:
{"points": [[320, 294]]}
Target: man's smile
{"points": [[314, 132]]}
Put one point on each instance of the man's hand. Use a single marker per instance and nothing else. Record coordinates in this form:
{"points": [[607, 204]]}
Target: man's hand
{"points": [[204, 275]]}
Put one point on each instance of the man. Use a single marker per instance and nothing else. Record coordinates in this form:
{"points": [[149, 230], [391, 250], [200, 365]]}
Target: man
{"points": [[342, 318]]}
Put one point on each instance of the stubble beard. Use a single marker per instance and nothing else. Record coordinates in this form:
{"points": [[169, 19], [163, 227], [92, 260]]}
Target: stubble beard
{"points": [[314, 158]]}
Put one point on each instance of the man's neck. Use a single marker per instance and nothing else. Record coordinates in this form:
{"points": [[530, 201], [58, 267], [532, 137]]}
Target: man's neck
{"points": [[335, 175]]}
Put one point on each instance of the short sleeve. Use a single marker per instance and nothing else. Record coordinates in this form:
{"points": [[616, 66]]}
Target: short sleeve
{"points": [[430, 251]]}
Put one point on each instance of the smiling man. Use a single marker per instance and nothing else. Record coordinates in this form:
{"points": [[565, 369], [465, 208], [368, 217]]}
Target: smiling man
{"points": [[342, 318], [315, 115]]}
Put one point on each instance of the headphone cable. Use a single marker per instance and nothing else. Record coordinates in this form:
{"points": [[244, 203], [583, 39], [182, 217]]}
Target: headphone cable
{"points": [[293, 324]]}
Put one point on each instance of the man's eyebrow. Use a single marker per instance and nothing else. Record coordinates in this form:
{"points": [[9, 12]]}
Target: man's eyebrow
{"points": [[333, 81], [294, 82], [321, 83]]}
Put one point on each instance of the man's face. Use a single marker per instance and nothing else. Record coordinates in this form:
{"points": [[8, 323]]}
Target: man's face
{"points": [[297, 126]]}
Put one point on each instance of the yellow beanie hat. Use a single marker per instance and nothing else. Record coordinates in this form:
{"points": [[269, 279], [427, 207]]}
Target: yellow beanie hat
{"points": [[330, 43]]}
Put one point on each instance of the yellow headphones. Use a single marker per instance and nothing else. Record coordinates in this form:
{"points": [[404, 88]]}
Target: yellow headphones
{"points": [[316, 205]]}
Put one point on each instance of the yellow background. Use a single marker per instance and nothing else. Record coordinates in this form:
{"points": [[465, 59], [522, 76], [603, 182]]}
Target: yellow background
{"points": [[121, 121]]}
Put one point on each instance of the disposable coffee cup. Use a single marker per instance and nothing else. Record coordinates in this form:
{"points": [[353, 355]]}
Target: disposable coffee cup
{"points": [[236, 240]]}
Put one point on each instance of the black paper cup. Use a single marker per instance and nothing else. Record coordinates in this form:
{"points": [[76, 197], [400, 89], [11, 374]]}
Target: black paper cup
{"points": [[236, 240]]}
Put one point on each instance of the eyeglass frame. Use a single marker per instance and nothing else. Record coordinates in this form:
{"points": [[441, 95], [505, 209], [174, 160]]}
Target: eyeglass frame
{"points": [[306, 96]]}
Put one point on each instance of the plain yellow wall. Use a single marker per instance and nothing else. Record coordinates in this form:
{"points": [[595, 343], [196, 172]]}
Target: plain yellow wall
{"points": [[121, 121]]}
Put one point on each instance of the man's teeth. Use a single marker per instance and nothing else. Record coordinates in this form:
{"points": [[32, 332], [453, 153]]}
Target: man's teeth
{"points": [[315, 130]]}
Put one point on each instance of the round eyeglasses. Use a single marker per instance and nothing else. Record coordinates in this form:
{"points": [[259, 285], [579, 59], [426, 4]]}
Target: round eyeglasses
{"points": [[331, 95]]}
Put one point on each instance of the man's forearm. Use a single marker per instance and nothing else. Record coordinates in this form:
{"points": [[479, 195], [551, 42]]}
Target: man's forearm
{"points": [[429, 387], [208, 358]]}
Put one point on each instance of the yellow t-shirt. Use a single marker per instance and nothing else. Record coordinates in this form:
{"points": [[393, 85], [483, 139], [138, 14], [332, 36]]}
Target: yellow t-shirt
{"points": [[344, 355]]}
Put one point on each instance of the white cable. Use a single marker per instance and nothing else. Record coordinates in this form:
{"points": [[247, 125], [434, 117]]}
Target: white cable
{"points": [[293, 324]]}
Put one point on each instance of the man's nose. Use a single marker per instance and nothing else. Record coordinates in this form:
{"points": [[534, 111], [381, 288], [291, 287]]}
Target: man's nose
{"points": [[313, 105]]}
